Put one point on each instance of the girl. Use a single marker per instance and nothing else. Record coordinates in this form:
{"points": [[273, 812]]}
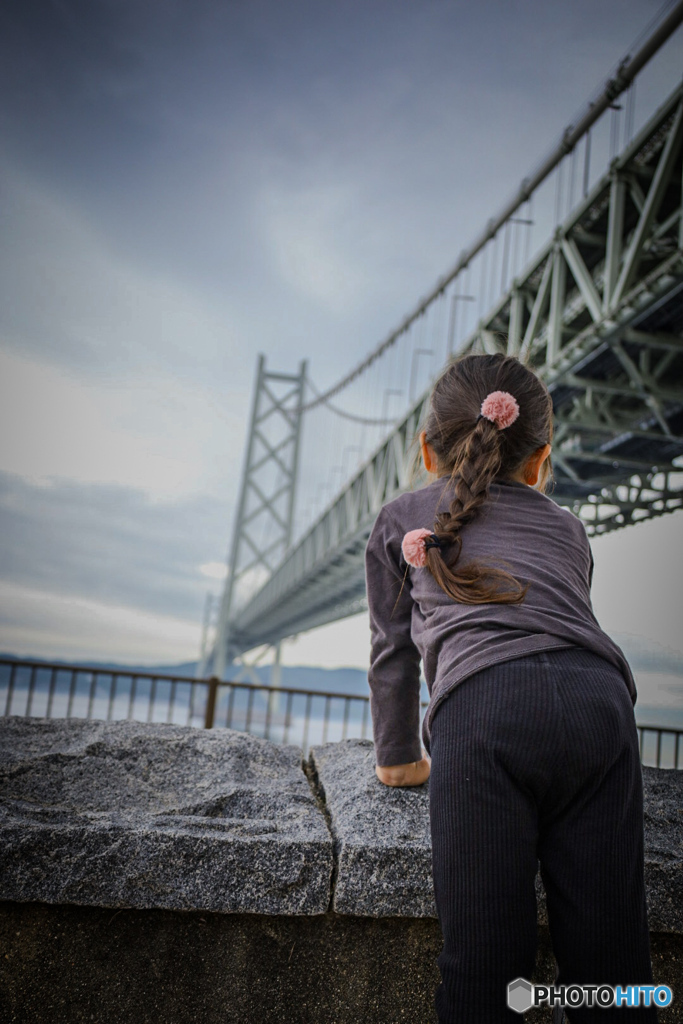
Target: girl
{"points": [[530, 725]]}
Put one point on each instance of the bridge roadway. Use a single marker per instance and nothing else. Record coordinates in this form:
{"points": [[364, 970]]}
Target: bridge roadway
{"points": [[599, 315]]}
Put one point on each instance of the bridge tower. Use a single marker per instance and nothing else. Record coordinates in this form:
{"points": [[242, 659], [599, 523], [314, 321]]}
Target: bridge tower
{"points": [[264, 517]]}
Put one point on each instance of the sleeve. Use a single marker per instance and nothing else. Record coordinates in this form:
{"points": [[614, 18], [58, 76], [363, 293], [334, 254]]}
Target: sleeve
{"points": [[591, 567], [394, 674]]}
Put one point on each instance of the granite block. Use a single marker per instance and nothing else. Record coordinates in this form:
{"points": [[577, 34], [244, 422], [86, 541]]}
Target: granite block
{"points": [[381, 834], [124, 814], [663, 813], [382, 839]]}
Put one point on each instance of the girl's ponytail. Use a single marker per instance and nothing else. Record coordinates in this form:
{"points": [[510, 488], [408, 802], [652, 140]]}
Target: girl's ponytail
{"points": [[489, 413]]}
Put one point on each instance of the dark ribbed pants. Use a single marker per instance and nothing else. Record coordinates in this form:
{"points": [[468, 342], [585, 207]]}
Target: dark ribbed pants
{"points": [[536, 759]]}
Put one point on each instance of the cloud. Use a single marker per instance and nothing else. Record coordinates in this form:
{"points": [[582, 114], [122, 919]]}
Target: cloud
{"points": [[289, 174], [304, 229], [109, 545], [157, 432], [637, 585], [68, 295], [36, 623], [338, 645], [214, 570]]}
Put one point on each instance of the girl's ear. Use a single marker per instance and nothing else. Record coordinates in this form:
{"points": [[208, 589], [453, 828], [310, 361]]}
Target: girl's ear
{"points": [[428, 457], [534, 463]]}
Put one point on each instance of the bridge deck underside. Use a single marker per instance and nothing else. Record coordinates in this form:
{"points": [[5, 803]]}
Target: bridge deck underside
{"points": [[603, 365]]}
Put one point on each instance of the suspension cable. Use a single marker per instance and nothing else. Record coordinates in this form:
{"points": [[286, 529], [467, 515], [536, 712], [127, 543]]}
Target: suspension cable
{"points": [[324, 400]]}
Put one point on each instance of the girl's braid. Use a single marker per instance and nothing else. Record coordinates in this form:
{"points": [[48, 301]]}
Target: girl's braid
{"points": [[472, 474]]}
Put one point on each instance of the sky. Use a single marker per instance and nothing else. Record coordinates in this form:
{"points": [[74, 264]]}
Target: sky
{"points": [[188, 184]]}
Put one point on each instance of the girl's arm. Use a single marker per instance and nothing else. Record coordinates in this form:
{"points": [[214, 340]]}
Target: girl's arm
{"points": [[394, 675]]}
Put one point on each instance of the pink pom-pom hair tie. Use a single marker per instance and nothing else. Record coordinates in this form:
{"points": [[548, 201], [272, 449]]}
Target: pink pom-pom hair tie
{"points": [[415, 545], [501, 408]]}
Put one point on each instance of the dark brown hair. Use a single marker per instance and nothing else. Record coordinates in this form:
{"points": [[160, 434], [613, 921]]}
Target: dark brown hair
{"points": [[472, 452]]}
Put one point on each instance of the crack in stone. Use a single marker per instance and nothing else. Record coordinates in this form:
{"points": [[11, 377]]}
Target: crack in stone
{"points": [[318, 791]]}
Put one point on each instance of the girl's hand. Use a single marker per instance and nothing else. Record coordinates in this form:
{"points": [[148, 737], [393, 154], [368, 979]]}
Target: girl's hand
{"points": [[413, 774]]}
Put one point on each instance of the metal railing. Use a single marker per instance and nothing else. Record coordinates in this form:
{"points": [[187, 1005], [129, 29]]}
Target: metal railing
{"points": [[281, 714], [668, 752]]}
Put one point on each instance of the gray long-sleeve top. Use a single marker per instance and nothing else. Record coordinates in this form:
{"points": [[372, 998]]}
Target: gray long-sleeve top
{"points": [[541, 542]]}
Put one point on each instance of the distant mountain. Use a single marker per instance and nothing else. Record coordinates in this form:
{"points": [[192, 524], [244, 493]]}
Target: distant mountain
{"points": [[186, 668], [646, 655], [643, 654], [305, 677]]}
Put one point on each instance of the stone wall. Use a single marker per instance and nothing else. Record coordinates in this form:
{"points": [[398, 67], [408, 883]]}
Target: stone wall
{"points": [[166, 874]]}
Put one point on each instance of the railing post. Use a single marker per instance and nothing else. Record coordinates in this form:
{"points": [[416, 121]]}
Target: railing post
{"points": [[211, 702]]}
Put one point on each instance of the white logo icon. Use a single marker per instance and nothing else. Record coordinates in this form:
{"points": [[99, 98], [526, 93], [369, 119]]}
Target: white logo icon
{"points": [[519, 995]]}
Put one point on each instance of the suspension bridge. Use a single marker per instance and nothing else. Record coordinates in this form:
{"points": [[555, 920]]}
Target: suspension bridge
{"points": [[596, 310]]}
